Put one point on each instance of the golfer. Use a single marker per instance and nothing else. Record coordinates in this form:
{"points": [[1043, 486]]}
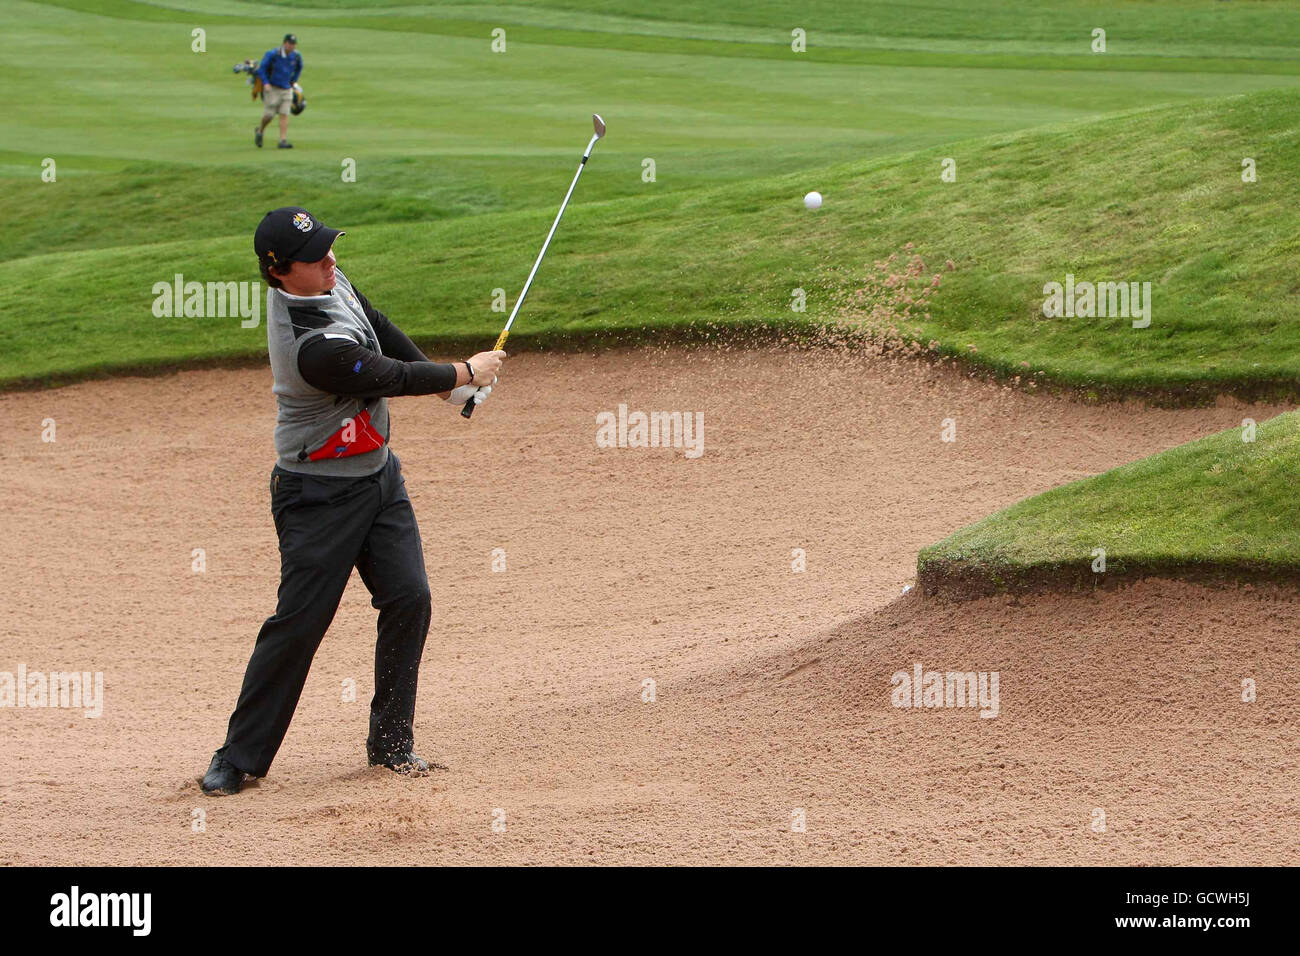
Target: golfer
{"points": [[338, 498], [278, 71]]}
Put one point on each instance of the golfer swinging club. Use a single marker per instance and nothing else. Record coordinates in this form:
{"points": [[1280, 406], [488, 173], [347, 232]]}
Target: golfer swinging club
{"points": [[338, 498]]}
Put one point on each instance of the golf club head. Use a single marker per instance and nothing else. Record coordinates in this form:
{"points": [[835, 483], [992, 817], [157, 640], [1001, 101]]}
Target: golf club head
{"points": [[599, 124]]}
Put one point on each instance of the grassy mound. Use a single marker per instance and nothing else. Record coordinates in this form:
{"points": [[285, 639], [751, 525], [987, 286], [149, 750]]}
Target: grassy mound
{"points": [[1217, 508]]}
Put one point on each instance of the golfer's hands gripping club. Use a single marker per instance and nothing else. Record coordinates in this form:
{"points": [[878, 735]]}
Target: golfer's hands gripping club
{"points": [[485, 365]]}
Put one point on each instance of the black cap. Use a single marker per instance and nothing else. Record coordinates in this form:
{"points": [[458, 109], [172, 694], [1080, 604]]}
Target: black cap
{"points": [[292, 233], [290, 38]]}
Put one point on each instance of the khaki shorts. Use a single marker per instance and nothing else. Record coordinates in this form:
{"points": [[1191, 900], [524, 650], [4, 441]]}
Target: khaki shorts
{"points": [[275, 100]]}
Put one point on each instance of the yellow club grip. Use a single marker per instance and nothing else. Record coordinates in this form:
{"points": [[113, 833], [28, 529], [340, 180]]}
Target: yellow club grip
{"points": [[468, 408]]}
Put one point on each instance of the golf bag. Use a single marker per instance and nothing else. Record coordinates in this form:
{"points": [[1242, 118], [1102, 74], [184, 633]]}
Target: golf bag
{"points": [[255, 81]]}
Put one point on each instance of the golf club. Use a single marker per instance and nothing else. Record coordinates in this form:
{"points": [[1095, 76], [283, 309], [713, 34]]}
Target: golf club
{"points": [[599, 125]]}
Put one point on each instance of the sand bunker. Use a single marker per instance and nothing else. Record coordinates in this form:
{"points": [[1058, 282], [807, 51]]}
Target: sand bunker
{"points": [[625, 565]]}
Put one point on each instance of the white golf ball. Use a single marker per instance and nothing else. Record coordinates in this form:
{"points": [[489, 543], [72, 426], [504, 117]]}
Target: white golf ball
{"points": [[813, 200]]}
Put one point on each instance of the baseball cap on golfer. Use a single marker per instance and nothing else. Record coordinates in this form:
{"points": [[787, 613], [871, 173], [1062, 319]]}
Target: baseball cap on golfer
{"points": [[291, 234], [290, 38]]}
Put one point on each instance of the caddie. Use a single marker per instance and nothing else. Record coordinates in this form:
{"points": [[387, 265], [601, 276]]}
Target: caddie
{"points": [[278, 71]]}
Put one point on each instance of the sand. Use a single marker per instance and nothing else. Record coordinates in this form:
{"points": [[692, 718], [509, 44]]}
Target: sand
{"points": [[1121, 735]]}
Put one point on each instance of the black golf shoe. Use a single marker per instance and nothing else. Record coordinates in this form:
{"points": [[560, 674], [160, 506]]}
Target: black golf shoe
{"points": [[223, 777], [257, 138]]}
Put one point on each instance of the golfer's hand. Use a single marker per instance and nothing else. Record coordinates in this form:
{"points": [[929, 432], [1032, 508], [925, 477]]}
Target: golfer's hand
{"points": [[459, 396], [486, 365]]}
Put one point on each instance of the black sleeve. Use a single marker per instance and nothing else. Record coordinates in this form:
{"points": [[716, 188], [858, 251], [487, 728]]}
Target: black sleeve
{"points": [[340, 366], [392, 340]]}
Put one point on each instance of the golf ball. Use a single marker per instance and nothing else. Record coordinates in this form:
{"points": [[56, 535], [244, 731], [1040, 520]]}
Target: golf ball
{"points": [[813, 200]]}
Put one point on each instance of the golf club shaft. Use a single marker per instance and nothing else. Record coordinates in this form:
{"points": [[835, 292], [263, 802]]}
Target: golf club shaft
{"points": [[468, 410]]}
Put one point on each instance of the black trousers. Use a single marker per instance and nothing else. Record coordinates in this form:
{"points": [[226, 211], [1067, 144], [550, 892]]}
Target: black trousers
{"points": [[326, 527]]}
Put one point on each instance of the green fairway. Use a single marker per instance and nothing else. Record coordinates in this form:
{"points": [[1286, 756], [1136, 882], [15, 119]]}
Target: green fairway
{"points": [[1219, 506], [462, 154], [139, 123]]}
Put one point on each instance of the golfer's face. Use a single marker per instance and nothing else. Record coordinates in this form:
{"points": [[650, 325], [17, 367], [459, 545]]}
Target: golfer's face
{"points": [[312, 278], [324, 274]]}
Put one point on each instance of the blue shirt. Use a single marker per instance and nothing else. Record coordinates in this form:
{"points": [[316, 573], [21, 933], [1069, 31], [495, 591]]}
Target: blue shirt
{"points": [[277, 69]]}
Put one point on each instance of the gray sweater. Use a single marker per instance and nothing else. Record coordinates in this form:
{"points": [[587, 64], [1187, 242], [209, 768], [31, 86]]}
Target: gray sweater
{"points": [[336, 358], [317, 432]]}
